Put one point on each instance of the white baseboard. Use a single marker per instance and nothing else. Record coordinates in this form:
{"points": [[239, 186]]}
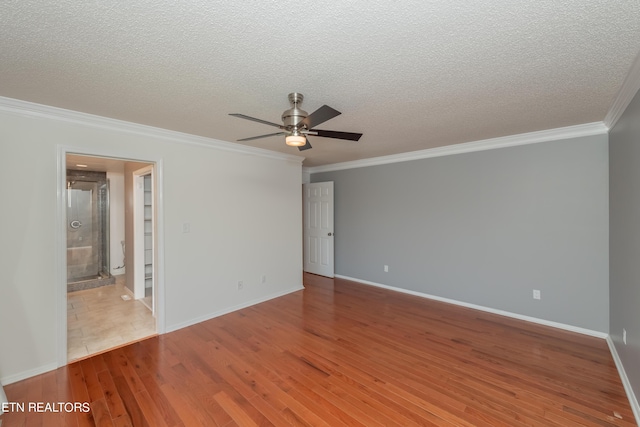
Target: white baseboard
{"points": [[3, 401], [53, 366], [633, 401], [28, 374], [571, 328], [209, 316], [129, 292]]}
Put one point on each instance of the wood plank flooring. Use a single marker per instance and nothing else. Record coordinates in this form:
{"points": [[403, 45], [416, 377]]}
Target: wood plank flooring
{"points": [[341, 353]]}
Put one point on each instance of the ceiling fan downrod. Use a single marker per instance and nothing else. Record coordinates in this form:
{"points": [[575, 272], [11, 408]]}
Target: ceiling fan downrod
{"points": [[294, 115], [297, 124]]}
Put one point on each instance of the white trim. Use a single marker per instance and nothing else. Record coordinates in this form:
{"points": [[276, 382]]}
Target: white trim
{"points": [[588, 129], [60, 272], [138, 231], [10, 379], [128, 292], [159, 290], [210, 316], [61, 239], [633, 401], [30, 109], [557, 325], [3, 401], [628, 90]]}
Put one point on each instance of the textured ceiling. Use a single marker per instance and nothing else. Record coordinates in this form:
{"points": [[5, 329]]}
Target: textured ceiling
{"points": [[410, 75]]}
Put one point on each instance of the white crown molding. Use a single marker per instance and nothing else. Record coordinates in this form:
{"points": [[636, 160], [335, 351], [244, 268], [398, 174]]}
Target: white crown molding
{"points": [[544, 322], [628, 90], [588, 129], [30, 109]]}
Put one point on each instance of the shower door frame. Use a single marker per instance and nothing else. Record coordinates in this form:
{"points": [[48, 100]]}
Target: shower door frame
{"points": [[100, 235], [61, 235]]}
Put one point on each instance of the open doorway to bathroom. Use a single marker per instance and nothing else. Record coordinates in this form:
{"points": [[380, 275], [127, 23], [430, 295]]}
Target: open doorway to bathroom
{"points": [[103, 310]]}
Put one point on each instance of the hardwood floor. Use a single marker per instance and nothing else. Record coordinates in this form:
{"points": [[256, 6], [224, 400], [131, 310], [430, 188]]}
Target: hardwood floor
{"points": [[341, 353]]}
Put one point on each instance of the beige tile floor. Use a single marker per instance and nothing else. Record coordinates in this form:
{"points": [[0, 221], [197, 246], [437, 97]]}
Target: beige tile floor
{"points": [[99, 319]]}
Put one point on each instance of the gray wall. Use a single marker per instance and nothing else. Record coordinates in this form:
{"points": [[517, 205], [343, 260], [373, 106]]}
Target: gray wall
{"points": [[624, 199], [485, 228]]}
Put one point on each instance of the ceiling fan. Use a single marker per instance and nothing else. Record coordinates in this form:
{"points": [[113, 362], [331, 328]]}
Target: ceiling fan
{"points": [[297, 124]]}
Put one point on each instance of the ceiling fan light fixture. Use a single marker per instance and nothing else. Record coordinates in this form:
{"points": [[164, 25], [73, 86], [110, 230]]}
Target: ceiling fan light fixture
{"points": [[297, 124], [296, 140]]}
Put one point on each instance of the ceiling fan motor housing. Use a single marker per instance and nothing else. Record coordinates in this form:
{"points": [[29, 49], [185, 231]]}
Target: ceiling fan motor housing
{"points": [[297, 124], [294, 115]]}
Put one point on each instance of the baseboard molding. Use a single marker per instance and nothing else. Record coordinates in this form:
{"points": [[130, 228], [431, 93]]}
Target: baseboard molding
{"points": [[190, 322], [28, 374], [129, 292], [3, 401], [557, 325], [53, 366], [633, 401]]}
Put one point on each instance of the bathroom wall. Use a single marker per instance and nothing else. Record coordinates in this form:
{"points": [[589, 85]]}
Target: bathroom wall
{"points": [[116, 222]]}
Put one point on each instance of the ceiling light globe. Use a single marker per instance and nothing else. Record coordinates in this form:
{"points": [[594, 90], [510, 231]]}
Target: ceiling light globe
{"points": [[296, 140]]}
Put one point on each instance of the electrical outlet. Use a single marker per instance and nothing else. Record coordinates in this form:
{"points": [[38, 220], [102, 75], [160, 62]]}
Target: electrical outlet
{"points": [[263, 279], [536, 294], [624, 336], [386, 268], [240, 285]]}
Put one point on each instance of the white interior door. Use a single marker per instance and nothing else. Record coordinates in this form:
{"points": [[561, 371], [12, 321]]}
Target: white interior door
{"points": [[318, 228]]}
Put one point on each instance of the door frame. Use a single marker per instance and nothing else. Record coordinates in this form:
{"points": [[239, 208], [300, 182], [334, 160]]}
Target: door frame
{"points": [[60, 272], [138, 232], [329, 269]]}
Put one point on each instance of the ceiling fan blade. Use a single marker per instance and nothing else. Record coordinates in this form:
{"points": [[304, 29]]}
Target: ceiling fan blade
{"points": [[306, 146], [261, 136], [321, 115], [253, 119], [338, 135]]}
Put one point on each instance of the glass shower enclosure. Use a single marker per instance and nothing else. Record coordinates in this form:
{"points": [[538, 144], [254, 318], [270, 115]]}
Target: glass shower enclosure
{"points": [[87, 230]]}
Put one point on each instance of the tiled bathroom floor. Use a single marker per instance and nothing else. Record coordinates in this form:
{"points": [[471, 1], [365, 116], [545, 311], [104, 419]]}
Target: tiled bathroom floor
{"points": [[99, 319]]}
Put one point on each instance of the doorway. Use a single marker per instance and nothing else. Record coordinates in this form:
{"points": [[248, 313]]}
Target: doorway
{"points": [[318, 231], [107, 316]]}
